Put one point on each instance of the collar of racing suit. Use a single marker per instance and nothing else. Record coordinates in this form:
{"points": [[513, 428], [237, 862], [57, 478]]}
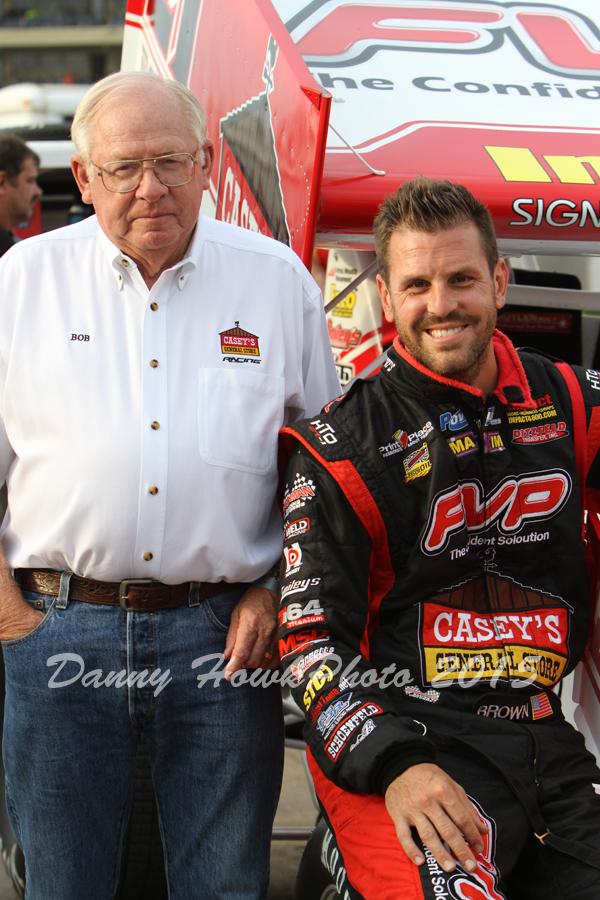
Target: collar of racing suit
{"points": [[512, 387]]}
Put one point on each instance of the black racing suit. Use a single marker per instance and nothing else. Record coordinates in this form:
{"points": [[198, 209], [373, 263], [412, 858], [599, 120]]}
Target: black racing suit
{"points": [[434, 586]]}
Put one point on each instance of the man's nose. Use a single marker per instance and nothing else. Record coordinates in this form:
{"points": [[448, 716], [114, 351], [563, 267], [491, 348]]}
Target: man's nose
{"points": [[441, 300], [150, 186]]}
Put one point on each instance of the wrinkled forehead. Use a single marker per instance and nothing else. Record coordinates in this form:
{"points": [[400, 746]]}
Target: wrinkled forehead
{"points": [[131, 122]]}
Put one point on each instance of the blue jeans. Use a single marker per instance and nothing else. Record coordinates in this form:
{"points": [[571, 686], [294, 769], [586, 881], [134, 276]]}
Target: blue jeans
{"points": [[70, 734]]}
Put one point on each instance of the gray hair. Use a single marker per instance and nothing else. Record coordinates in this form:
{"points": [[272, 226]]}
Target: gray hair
{"points": [[101, 93]]}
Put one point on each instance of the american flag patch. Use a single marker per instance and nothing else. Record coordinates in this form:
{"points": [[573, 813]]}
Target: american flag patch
{"points": [[541, 706]]}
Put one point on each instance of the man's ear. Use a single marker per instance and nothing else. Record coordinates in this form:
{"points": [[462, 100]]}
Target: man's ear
{"points": [[207, 157], [81, 176], [386, 300], [501, 279]]}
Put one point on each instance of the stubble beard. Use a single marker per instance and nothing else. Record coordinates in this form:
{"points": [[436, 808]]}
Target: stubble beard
{"points": [[463, 364]]}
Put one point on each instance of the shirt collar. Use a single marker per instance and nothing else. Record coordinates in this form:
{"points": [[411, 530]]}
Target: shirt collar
{"points": [[512, 387], [120, 262]]}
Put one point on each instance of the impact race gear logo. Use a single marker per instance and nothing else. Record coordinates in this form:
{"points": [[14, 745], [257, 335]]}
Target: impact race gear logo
{"points": [[529, 498]]}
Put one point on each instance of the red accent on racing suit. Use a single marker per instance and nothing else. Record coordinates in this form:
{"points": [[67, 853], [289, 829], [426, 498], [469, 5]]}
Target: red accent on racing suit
{"points": [[439, 586]]}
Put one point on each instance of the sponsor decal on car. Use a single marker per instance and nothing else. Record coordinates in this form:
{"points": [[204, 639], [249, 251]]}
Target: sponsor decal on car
{"points": [[293, 558], [539, 434], [417, 464], [341, 337]]}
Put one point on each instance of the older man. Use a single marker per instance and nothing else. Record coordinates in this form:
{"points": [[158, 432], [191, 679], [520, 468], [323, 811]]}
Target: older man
{"points": [[147, 361], [439, 588], [19, 188]]}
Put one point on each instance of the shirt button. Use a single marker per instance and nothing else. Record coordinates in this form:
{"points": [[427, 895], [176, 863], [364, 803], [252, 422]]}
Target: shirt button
{"points": [[125, 263], [153, 489], [154, 306], [155, 425], [154, 363], [148, 556]]}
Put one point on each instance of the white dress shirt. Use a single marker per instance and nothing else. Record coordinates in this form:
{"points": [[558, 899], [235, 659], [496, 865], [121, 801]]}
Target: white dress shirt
{"points": [[138, 428]]}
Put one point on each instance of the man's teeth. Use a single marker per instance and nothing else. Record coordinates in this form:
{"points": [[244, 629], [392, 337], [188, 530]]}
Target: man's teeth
{"points": [[445, 332]]}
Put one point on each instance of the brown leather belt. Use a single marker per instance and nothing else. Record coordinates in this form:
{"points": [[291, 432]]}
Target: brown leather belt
{"points": [[136, 594]]}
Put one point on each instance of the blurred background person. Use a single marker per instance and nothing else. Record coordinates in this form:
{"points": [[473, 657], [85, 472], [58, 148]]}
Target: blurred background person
{"points": [[19, 189]]}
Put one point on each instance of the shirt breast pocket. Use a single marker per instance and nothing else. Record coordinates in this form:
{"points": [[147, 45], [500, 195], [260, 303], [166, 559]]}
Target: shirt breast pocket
{"points": [[239, 416]]}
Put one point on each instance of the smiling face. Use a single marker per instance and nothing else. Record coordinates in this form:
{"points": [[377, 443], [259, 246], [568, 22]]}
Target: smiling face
{"points": [[152, 224], [444, 300]]}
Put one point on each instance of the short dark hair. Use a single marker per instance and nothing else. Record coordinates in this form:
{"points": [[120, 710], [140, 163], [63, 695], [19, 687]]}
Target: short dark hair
{"points": [[13, 153], [425, 204]]}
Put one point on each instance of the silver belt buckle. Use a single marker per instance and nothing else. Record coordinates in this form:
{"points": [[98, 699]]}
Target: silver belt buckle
{"points": [[124, 588]]}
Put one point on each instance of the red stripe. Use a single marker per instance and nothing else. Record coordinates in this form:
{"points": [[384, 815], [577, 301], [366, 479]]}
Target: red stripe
{"points": [[593, 436], [381, 575], [579, 432], [376, 865], [450, 382], [510, 371]]}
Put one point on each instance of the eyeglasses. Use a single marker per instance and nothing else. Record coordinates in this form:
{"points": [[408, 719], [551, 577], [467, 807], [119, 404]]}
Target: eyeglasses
{"points": [[124, 175]]}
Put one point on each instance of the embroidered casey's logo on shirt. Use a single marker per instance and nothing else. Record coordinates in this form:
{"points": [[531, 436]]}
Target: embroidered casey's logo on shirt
{"points": [[240, 346]]}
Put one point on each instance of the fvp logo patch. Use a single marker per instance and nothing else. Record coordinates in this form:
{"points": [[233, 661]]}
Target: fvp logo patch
{"points": [[512, 503]]}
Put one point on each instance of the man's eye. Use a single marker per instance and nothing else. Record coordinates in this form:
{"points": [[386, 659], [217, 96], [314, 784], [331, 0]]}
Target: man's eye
{"points": [[461, 278], [123, 170], [170, 163]]}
